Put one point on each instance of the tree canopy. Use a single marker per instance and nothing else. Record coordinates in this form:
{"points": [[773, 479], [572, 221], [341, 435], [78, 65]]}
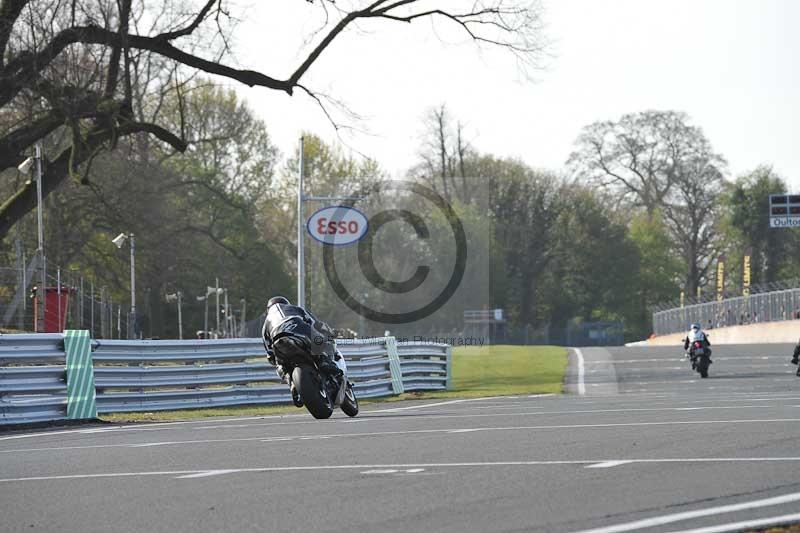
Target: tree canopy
{"points": [[79, 75]]}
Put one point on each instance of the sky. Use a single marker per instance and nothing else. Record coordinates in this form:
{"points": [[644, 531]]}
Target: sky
{"points": [[732, 65]]}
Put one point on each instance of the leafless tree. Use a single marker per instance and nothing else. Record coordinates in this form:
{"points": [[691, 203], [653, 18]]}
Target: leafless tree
{"points": [[639, 157], [446, 157], [90, 67]]}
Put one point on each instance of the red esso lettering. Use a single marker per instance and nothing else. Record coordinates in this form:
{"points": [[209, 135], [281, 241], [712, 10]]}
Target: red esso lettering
{"points": [[333, 227]]}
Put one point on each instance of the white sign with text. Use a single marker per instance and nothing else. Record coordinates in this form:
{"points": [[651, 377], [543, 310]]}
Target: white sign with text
{"points": [[337, 225]]}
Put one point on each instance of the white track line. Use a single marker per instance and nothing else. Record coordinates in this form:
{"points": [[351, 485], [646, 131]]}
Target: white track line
{"points": [[747, 524], [411, 432], [156, 426], [316, 468], [423, 406], [700, 513], [609, 464], [207, 473], [256, 423], [581, 372]]}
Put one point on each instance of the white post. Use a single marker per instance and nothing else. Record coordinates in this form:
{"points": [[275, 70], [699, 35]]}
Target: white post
{"points": [[131, 331], [180, 319], [301, 267]]}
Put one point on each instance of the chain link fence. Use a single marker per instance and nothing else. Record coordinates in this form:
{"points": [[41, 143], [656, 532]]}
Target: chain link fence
{"points": [[763, 307], [71, 302]]}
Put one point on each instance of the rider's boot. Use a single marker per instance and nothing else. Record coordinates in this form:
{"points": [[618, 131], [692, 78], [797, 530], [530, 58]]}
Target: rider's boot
{"points": [[327, 361], [327, 366], [282, 374]]}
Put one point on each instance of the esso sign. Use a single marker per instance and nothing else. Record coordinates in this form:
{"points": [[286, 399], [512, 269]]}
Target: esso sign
{"points": [[337, 225]]}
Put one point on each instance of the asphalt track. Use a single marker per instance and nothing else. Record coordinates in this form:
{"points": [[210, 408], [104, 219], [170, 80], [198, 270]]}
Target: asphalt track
{"points": [[641, 444]]}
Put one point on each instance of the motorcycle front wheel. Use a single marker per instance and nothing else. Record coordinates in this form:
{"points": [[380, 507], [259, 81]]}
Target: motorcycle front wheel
{"points": [[350, 403], [311, 387]]}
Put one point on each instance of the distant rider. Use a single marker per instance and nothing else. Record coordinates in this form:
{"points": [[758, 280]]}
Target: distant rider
{"points": [[796, 354], [696, 334], [284, 319]]}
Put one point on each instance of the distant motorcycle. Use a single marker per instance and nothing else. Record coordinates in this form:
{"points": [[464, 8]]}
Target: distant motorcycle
{"points": [[700, 356], [320, 393]]}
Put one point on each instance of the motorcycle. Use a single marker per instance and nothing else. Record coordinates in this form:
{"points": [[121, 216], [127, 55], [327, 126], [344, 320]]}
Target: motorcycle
{"points": [[319, 392], [700, 356]]}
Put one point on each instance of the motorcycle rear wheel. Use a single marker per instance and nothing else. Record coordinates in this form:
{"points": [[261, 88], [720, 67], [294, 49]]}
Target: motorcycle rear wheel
{"points": [[702, 366], [311, 387]]}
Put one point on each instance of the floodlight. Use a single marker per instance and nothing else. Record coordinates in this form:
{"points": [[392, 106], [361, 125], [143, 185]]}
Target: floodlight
{"points": [[26, 165], [119, 240]]}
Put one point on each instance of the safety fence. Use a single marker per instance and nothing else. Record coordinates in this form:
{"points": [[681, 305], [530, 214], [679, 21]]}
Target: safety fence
{"points": [[763, 307], [133, 376]]}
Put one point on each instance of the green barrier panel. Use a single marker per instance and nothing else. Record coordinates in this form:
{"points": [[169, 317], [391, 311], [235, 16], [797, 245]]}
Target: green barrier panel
{"points": [[449, 366], [81, 402], [394, 365]]}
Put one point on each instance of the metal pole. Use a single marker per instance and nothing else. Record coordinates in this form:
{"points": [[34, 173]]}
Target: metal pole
{"points": [[103, 312], [216, 291], [301, 267], [205, 321], [80, 307], [180, 319], [40, 237], [23, 285], [131, 332], [119, 321], [91, 302], [242, 322], [58, 292], [227, 315]]}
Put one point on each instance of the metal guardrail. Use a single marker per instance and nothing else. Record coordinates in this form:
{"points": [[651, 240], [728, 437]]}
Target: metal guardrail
{"points": [[168, 375], [763, 307]]}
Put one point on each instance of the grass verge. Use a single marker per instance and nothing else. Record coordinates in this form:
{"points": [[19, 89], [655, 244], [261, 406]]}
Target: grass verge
{"points": [[477, 371]]}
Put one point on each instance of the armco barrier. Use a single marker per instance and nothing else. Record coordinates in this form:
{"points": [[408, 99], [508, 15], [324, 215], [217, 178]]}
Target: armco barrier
{"points": [[166, 375]]}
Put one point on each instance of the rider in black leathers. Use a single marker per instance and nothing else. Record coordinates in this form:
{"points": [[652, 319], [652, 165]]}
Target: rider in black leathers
{"points": [[284, 319]]}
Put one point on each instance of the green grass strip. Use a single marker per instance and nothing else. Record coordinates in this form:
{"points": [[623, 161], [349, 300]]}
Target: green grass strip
{"points": [[477, 371]]}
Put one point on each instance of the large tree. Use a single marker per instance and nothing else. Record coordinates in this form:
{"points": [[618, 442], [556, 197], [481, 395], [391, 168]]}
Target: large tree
{"points": [[97, 70], [639, 157], [193, 214], [657, 162]]}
